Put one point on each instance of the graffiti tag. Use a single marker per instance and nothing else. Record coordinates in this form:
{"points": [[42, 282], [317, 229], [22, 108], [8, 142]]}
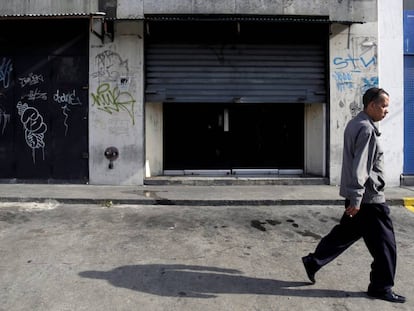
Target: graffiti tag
{"points": [[34, 95], [355, 72], [354, 63], [113, 100], [34, 128], [110, 66], [368, 83], [31, 79], [6, 68], [343, 80], [66, 100]]}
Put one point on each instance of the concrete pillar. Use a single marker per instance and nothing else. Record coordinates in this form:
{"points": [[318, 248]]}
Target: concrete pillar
{"points": [[315, 139], [353, 70], [116, 105], [153, 139], [391, 78]]}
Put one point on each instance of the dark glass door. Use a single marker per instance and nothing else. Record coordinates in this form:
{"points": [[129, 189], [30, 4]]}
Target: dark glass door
{"points": [[236, 136]]}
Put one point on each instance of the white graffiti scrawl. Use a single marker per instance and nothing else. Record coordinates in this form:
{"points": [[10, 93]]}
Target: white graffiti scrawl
{"points": [[31, 79], [35, 95], [110, 66], [66, 100], [34, 128], [6, 68]]}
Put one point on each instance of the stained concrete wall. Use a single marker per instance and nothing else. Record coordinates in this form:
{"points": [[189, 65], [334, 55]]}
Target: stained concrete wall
{"points": [[353, 67], [10, 7], [391, 78], [154, 139], [337, 10], [116, 105], [363, 56], [355, 10], [130, 9], [315, 139]]}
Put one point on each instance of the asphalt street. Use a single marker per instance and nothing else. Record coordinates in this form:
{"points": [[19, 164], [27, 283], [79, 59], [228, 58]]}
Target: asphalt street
{"points": [[58, 256]]}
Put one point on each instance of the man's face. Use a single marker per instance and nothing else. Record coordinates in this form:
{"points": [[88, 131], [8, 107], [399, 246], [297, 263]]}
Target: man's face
{"points": [[378, 109]]}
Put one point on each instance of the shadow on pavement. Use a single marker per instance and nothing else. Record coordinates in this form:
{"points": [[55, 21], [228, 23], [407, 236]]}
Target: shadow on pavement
{"points": [[204, 282]]}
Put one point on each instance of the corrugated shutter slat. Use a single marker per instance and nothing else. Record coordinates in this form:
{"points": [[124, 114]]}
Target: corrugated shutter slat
{"points": [[235, 73]]}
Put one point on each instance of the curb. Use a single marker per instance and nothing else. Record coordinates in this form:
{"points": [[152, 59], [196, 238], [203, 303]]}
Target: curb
{"points": [[224, 202], [409, 204]]}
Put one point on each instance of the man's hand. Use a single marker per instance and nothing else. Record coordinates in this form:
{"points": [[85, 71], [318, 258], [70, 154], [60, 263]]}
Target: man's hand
{"points": [[351, 211]]}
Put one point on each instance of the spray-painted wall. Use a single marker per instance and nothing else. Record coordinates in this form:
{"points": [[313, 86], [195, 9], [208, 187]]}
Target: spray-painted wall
{"points": [[362, 56], [116, 106], [353, 69]]}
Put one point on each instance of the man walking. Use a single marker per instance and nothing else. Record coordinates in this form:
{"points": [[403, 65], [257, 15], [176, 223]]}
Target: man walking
{"points": [[366, 213]]}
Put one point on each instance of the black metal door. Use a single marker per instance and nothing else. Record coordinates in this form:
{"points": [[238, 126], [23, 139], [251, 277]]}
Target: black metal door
{"points": [[44, 105], [6, 116], [69, 113], [32, 123], [239, 136]]}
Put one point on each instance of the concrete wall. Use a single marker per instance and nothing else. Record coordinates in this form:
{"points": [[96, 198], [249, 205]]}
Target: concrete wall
{"points": [[116, 105], [391, 78], [337, 10], [154, 139], [368, 55], [10, 7], [361, 56], [353, 69], [358, 10], [315, 139], [130, 9]]}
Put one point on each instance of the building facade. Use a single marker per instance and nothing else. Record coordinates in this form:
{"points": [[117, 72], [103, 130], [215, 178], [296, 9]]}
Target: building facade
{"points": [[116, 91]]}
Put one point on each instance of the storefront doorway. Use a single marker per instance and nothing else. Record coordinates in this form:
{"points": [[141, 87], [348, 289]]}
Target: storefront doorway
{"points": [[233, 137], [235, 95]]}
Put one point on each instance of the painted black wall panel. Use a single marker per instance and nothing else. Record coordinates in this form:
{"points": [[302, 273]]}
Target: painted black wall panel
{"points": [[46, 137]]}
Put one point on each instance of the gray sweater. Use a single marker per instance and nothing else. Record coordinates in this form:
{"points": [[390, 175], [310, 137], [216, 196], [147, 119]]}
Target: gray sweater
{"points": [[362, 178]]}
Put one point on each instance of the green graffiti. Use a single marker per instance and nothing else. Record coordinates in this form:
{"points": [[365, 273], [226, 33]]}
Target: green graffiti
{"points": [[113, 100]]}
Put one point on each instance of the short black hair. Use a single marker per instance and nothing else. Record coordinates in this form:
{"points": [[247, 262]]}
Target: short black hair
{"points": [[372, 94]]}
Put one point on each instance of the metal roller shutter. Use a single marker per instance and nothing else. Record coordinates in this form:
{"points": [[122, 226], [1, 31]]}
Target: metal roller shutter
{"points": [[236, 73]]}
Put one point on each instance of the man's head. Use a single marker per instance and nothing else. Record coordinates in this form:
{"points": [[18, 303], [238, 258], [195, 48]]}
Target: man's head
{"points": [[376, 102]]}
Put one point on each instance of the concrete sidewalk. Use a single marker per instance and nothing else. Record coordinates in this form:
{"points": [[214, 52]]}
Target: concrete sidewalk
{"points": [[187, 195]]}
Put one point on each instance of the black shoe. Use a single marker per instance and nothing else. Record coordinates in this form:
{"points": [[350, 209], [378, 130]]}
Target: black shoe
{"points": [[309, 267], [388, 296]]}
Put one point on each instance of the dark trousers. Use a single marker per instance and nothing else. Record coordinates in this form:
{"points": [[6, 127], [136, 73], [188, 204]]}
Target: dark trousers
{"points": [[374, 225]]}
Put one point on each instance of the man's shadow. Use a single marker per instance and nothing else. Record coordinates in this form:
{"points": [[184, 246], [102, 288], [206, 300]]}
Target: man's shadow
{"points": [[204, 282]]}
